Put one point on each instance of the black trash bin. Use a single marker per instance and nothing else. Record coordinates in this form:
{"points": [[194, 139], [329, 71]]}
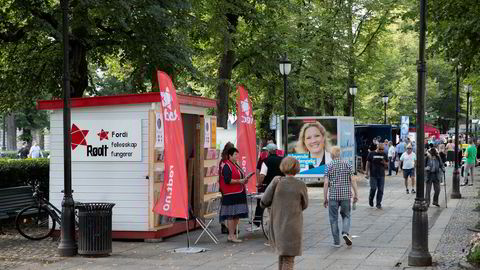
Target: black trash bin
{"points": [[95, 228]]}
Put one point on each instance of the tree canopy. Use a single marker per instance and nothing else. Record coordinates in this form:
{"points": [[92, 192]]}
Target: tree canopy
{"points": [[209, 46]]}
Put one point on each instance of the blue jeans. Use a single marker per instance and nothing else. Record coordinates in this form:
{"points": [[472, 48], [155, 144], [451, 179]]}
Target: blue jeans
{"points": [[376, 186], [333, 215], [391, 165]]}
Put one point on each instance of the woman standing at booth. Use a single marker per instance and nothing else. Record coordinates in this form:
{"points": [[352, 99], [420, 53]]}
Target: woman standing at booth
{"points": [[234, 199], [223, 158], [287, 197]]}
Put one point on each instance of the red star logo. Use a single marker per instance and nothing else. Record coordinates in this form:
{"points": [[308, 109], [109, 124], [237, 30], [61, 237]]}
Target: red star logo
{"points": [[103, 135], [78, 136]]}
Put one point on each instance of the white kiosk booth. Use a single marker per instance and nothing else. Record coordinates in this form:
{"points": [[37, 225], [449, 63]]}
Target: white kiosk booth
{"points": [[117, 157]]}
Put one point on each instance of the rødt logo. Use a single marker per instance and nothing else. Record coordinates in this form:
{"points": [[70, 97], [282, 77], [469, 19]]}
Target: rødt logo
{"points": [[167, 106], [246, 117], [103, 135], [78, 136], [245, 107]]}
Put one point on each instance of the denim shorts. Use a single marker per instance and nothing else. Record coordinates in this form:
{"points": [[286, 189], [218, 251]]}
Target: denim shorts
{"points": [[408, 172]]}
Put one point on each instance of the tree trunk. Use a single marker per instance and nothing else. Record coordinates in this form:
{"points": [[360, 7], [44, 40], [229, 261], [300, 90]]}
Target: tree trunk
{"points": [[267, 112], [78, 68], [225, 72], [11, 133], [223, 88]]}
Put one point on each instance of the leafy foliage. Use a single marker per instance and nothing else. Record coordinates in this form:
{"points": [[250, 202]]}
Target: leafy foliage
{"points": [[18, 172]]}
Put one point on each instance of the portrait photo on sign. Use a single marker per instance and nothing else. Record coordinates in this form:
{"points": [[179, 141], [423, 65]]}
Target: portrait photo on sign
{"points": [[310, 141]]}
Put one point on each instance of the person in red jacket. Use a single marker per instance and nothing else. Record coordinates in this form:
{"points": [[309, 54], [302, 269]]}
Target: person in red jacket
{"points": [[234, 200], [224, 157]]}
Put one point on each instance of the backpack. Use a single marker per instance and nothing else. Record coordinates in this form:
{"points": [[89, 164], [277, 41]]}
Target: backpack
{"points": [[434, 165]]}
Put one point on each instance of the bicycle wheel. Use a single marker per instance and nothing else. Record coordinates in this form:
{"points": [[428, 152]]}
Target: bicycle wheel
{"points": [[32, 223], [266, 222]]}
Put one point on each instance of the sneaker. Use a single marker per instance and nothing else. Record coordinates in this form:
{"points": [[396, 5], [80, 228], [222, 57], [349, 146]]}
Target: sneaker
{"points": [[464, 184], [336, 245], [379, 207], [436, 204], [413, 191], [347, 238], [370, 202], [408, 191], [471, 184]]}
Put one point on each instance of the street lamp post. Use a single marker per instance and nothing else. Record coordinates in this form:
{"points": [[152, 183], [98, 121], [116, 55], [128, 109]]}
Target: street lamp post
{"points": [[285, 66], [67, 246], [419, 254], [468, 89], [456, 174], [353, 92], [385, 101], [471, 115], [3, 130]]}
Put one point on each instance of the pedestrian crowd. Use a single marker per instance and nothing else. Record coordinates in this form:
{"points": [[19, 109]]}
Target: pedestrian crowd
{"points": [[286, 196]]}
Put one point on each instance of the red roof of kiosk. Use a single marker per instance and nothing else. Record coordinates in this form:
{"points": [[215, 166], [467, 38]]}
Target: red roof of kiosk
{"points": [[428, 128], [124, 99]]}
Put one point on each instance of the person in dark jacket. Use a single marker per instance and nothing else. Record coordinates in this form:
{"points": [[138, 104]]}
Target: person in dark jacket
{"points": [[434, 168], [270, 169]]}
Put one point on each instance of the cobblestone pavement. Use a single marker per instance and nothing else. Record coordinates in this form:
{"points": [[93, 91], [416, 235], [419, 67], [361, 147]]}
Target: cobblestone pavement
{"points": [[453, 245], [17, 251], [381, 240]]}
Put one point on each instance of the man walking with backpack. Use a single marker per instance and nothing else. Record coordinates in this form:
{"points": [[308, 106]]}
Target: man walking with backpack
{"points": [[434, 169], [377, 161]]}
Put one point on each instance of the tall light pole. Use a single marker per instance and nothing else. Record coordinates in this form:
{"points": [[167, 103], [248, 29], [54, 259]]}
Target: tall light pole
{"points": [[285, 66], [385, 101], [456, 174], [419, 254], [67, 246], [3, 130], [471, 114], [353, 92], [468, 89]]}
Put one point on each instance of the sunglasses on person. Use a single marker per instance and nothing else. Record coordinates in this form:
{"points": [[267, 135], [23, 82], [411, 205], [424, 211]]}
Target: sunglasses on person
{"points": [[409, 148]]}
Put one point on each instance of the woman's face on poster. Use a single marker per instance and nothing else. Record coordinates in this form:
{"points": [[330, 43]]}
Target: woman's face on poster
{"points": [[314, 140]]}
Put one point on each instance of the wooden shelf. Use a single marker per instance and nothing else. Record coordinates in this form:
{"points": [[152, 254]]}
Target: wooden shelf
{"points": [[210, 162], [210, 179], [211, 196]]}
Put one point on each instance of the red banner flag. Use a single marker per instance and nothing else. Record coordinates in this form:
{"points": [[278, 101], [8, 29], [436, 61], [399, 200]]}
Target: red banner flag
{"points": [[246, 137], [173, 200]]}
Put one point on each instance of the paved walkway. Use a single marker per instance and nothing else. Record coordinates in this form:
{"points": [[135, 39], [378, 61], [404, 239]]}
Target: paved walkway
{"points": [[382, 240]]}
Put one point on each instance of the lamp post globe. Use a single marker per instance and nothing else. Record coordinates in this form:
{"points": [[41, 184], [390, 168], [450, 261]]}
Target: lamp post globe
{"points": [[353, 92], [285, 67], [385, 101]]}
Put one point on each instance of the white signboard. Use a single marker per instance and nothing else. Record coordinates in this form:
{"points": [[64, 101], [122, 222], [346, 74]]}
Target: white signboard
{"points": [[106, 140], [208, 132], [159, 134]]}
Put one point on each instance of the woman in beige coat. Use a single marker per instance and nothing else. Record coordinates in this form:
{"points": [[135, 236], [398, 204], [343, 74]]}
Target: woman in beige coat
{"points": [[287, 198]]}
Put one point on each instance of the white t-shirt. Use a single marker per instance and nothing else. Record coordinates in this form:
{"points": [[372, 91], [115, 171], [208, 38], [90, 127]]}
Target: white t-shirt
{"points": [[408, 160], [36, 152], [391, 151], [264, 169]]}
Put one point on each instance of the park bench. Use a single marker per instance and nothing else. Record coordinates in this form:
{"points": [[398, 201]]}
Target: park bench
{"points": [[14, 199]]}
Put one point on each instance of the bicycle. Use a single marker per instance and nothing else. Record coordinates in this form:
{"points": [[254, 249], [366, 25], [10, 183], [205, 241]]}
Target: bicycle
{"points": [[32, 222]]}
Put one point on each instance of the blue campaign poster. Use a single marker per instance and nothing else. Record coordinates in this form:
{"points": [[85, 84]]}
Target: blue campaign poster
{"points": [[310, 140]]}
